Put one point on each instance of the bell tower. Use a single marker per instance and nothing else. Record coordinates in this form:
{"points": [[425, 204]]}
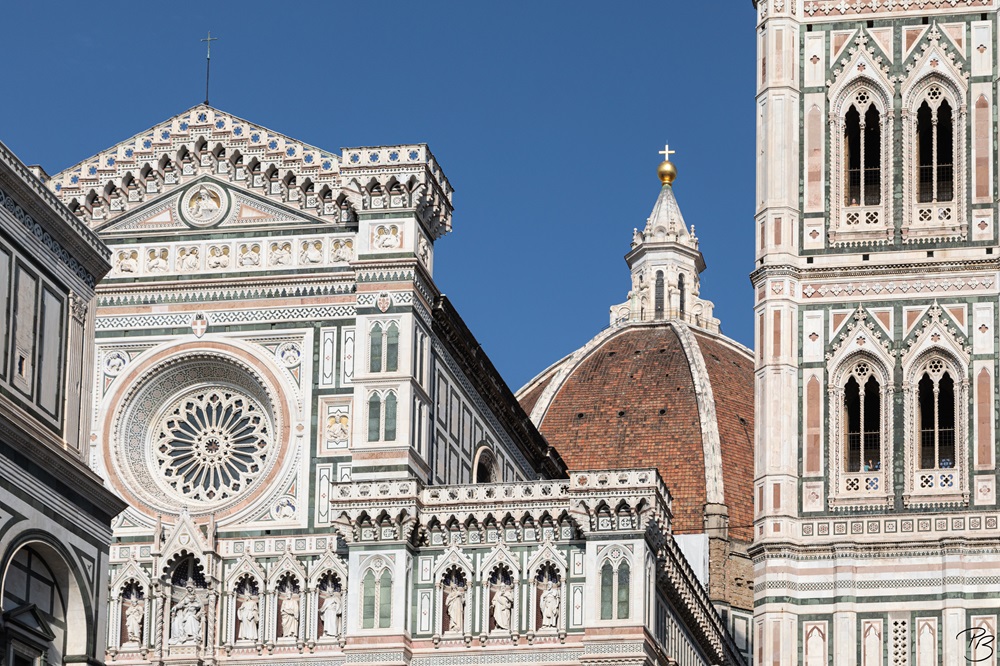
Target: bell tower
{"points": [[875, 314]]}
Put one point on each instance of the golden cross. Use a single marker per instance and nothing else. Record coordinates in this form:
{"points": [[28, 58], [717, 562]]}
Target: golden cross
{"points": [[666, 152]]}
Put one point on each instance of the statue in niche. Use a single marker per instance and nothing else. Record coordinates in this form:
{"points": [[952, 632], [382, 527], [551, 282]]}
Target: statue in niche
{"points": [[549, 604], [455, 601], [281, 254], [424, 250], [503, 605], [332, 611], [249, 616], [312, 252], [157, 261], [186, 619], [218, 257], [250, 255], [290, 615], [134, 615]]}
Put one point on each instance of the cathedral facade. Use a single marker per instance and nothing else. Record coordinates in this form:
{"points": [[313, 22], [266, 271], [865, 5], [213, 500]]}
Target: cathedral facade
{"points": [[876, 349], [321, 465]]}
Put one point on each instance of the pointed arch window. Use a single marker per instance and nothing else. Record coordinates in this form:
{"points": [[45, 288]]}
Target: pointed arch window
{"points": [[935, 148], [863, 153], [382, 420], [383, 347], [862, 420], [681, 295], [376, 600], [615, 587], [658, 296], [936, 417]]}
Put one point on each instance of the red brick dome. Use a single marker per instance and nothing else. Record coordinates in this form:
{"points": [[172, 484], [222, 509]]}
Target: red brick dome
{"points": [[657, 394]]}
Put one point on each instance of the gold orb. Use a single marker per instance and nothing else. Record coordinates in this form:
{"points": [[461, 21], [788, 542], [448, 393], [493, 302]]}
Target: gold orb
{"points": [[667, 172]]}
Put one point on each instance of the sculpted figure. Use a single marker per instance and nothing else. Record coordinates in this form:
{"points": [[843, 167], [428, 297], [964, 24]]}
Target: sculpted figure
{"points": [[186, 620], [249, 615], [281, 255], [503, 604], [127, 262], [157, 261], [133, 621], [455, 601], [387, 238], [332, 611], [218, 257], [312, 253], [290, 616], [202, 206], [188, 261], [549, 604], [342, 251], [250, 256], [336, 428]]}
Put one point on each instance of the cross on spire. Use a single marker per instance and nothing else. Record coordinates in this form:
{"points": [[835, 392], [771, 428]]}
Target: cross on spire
{"points": [[208, 61], [666, 152]]}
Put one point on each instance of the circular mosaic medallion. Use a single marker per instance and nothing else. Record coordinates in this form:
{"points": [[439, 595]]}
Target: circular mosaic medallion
{"points": [[204, 204], [212, 444]]}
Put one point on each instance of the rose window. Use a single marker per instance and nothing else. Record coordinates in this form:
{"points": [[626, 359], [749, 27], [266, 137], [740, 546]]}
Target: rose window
{"points": [[212, 444]]}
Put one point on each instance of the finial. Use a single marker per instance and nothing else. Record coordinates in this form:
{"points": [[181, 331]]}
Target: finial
{"points": [[667, 172]]}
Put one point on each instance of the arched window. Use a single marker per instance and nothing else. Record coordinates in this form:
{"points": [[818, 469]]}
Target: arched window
{"points": [[863, 153], [935, 148], [382, 417], [615, 587], [681, 294], [391, 347], [862, 421], [375, 357], [374, 417], [658, 295], [383, 347], [376, 600], [936, 417]]}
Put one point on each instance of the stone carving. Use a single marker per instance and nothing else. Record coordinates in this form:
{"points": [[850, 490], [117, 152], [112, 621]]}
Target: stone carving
{"points": [[249, 616], [343, 250], [250, 255], [281, 254], [187, 259], [134, 615], [549, 604], [128, 261], [114, 362], [290, 615], [289, 353], [312, 252], [212, 444], [455, 601], [203, 206], [187, 618], [386, 237], [156, 261], [338, 428], [424, 251], [332, 611], [503, 604], [218, 257]]}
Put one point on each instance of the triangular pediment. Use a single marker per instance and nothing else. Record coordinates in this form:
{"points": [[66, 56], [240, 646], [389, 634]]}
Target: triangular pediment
{"points": [[29, 619], [182, 211], [276, 169]]}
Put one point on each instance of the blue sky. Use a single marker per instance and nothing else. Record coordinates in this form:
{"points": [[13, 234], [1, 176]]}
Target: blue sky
{"points": [[546, 117]]}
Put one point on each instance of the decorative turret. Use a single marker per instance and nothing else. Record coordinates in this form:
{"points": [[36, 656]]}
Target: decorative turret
{"points": [[665, 263]]}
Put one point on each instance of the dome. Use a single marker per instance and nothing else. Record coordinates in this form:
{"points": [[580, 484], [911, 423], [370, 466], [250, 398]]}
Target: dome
{"points": [[657, 394], [663, 387]]}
